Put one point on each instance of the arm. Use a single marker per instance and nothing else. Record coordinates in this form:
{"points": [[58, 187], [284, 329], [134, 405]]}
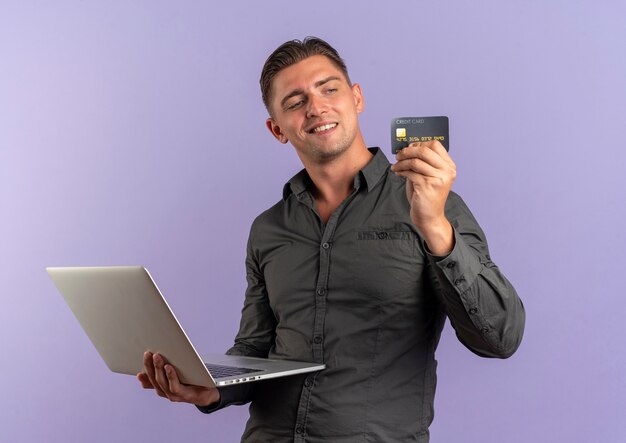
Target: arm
{"points": [[255, 337], [483, 307], [256, 334]]}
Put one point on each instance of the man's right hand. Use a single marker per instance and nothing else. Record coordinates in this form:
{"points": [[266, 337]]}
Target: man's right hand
{"points": [[159, 375]]}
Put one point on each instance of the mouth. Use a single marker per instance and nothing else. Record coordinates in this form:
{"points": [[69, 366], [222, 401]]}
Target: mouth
{"points": [[322, 128]]}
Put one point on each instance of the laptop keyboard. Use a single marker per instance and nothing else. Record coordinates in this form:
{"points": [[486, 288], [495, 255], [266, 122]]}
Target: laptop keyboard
{"points": [[218, 371]]}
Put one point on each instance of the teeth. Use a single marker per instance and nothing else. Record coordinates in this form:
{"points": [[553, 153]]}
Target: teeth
{"points": [[325, 127]]}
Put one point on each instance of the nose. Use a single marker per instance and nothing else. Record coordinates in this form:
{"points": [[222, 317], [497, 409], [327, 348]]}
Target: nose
{"points": [[315, 106]]}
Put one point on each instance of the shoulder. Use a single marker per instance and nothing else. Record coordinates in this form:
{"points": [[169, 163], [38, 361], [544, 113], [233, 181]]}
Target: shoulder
{"points": [[269, 219]]}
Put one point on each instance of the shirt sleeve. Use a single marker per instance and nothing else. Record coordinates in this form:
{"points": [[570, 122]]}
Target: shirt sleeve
{"points": [[257, 331], [482, 305]]}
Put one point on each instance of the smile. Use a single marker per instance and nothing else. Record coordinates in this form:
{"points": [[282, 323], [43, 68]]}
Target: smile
{"points": [[323, 128]]}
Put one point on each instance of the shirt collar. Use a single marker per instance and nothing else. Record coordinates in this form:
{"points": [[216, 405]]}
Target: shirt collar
{"points": [[370, 175]]}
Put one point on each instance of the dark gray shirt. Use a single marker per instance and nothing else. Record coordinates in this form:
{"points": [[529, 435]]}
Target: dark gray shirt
{"points": [[362, 294]]}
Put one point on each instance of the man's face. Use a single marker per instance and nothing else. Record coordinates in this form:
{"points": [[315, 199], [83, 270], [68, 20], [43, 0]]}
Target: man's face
{"points": [[313, 106]]}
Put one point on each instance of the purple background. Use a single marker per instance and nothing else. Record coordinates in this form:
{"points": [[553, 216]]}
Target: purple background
{"points": [[133, 133]]}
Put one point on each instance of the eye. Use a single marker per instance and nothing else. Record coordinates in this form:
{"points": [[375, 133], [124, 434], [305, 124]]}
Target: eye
{"points": [[295, 105], [331, 90]]}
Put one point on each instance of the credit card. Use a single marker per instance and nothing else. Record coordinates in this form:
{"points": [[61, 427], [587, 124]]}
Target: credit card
{"points": [[406, 130]]}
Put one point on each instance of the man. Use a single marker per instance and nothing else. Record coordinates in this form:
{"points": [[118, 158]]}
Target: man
{"points": [[356, 267]]}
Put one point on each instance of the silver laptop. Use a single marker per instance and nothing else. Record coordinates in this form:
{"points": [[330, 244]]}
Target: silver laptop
{"points": [[124, 314]]}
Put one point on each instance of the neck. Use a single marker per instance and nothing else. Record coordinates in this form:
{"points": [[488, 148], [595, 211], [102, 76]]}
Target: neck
{"points": [[334, 180]]}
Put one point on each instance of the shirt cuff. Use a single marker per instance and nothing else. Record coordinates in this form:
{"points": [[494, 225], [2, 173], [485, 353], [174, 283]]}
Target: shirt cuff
{"points": [[229, 395], [461, 266]]}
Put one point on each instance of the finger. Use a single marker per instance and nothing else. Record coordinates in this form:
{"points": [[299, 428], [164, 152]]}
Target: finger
{"points": [[416, 165], [414, 179], [160, 376], [174, 385], [177, 391], [148, 366], [145, 382], [437, 147], [199, 395], [434, 146], [423, 181], [149, 369], [424, 152]]}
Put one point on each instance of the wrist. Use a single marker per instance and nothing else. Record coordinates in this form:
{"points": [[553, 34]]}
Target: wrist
{"points": [[438, 236], [212, 397]]}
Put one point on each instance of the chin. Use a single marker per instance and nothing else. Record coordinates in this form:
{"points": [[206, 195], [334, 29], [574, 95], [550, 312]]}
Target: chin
{"points": [[327, 154]]}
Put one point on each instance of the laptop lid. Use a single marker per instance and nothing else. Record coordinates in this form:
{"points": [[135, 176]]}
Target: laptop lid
{"points": [[124, 314]]}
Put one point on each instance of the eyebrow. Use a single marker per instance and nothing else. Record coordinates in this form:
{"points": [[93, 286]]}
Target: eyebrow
{"points": [[317, 84]]}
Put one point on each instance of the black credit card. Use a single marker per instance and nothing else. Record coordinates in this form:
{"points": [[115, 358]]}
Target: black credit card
{"points": [[407, 130]]}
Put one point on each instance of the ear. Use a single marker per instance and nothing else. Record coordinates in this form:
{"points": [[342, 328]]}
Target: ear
{"points": [[276, 131], [358, 97]]}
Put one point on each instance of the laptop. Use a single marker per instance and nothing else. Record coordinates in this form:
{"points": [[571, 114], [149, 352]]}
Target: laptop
{"points": [[124, 314]]}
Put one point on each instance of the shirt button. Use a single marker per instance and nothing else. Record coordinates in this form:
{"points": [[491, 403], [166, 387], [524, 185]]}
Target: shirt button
{"points": [[299, 429], [459, 280], [473, 311], [308, 382], [451, 265], [325, 245], [321, 292], [317, 339]]}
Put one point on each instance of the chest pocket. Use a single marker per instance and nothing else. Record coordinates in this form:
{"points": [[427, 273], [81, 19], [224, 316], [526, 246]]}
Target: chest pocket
{"points": [[386, 264]]}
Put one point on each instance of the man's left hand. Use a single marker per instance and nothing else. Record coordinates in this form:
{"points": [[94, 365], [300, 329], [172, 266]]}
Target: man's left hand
{"points": [[430, 172]]}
